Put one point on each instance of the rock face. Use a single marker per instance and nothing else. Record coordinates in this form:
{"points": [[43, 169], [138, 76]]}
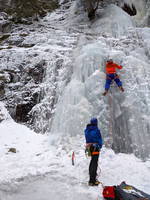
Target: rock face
{"points": [[5, 24], [19, 84], [20, 96], [130, 10], [12, 150], [21, 9]]}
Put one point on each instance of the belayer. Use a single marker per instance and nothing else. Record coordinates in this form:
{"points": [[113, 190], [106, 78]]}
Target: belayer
{"points": [[93, 145], [112, 75]]}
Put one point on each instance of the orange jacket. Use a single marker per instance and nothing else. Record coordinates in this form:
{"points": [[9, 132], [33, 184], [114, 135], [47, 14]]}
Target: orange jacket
{"points": [[111, 67]]}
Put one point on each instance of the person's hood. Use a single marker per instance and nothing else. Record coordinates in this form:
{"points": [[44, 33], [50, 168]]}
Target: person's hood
{"points": [[91, 127], [94, 121]]}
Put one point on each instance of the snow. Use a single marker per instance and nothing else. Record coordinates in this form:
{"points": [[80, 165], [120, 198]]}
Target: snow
{"points": [[35, 156], [31, 151], [75, 51]]}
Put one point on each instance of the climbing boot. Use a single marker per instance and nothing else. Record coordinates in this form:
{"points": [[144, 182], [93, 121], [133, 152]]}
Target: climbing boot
{"points": [[106, 91], [121, 88], [96, 183]]}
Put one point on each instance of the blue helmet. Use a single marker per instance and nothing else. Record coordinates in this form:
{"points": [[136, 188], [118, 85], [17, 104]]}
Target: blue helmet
{"points": [[94, 121]]}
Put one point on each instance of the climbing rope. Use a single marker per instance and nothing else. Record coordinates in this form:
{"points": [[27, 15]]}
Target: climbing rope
{"points": [[110, 119]]}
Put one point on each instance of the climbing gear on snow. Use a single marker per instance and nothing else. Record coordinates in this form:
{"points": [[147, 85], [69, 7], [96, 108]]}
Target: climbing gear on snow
{"points": [[73, 157], [124, 192], [109, 192]]}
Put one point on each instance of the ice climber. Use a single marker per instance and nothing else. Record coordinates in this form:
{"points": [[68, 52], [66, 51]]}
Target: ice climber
{"points": [[93, 145], [112, 75]]}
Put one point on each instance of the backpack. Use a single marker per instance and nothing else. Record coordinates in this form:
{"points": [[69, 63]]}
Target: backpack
{"points": [[109, 192], [124, 192]]}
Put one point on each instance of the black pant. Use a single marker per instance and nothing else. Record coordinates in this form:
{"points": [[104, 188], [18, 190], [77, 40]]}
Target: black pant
{"points": [[93, 165]]}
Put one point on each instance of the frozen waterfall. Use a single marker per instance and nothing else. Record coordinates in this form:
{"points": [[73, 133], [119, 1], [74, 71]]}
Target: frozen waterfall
{"points": [[114, 35]]}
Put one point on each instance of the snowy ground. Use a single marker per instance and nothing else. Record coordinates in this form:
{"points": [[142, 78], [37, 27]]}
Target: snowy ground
{"points": [[40, 171], [53, 167]]}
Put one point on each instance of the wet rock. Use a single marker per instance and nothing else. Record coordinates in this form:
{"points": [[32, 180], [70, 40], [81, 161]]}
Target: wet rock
{"points": [[37, 72], [22, 111], [15, 41], [24, 11], [27, 101], [130, 10], [9, 76], [2, 89], [12, 150], [8, 47], [24, 34], [4, 37], [147, 19], [5, 24], [26, 45], [19, 88], [5, 76]]}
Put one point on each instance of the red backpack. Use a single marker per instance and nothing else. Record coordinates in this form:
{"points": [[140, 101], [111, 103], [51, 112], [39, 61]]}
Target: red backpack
{"points": [[109, 192]]}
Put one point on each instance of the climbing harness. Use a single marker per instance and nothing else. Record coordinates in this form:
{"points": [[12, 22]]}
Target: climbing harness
{"points": [[94, 151], [116, 76], [87, 151]]}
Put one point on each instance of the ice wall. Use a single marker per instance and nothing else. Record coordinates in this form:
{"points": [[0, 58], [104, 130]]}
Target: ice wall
{"points": [[81, 99], [126, 114]]}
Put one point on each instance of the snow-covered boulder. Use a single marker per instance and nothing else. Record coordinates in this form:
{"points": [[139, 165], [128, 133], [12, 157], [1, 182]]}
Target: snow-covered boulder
{"points": [[4, 115]]}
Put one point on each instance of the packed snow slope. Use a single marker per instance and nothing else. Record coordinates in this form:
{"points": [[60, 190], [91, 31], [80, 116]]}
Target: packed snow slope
{"points": [[74, 51], [39, 172]]}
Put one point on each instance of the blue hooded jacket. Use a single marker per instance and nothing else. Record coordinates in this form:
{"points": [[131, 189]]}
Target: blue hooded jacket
{"points": [[92, 133]]}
